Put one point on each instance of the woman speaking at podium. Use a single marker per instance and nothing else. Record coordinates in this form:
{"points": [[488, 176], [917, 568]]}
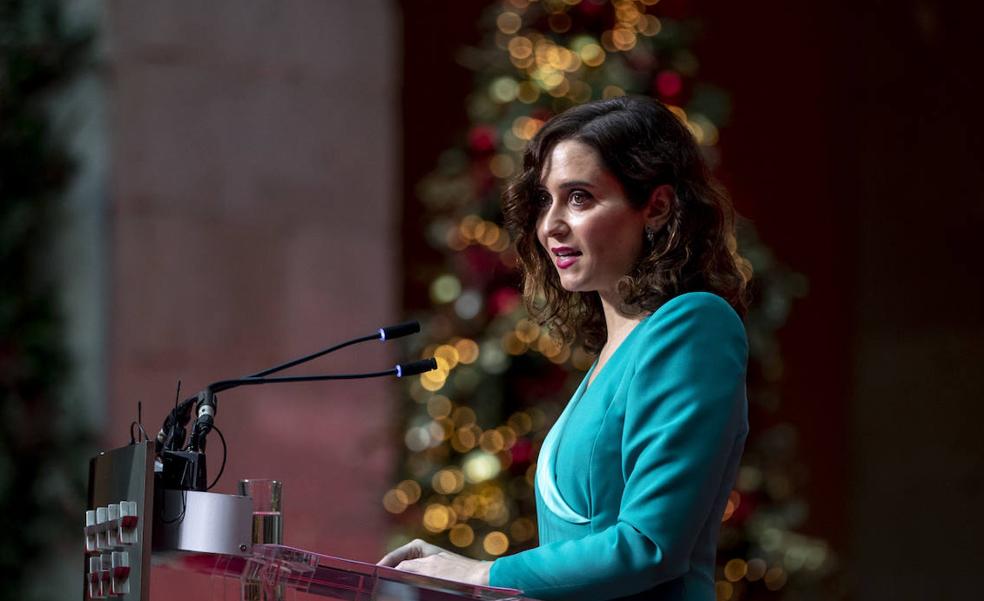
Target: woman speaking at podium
{"points": [[629, 243]]}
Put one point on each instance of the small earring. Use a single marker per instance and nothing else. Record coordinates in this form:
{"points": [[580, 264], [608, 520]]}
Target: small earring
{"points": [[650, 235]]}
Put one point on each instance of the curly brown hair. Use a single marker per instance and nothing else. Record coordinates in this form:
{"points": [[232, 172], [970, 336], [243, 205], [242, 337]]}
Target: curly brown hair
{"points": [[644, 145]]}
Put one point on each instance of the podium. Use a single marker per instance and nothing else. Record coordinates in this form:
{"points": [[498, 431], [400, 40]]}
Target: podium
{"points": [[273, 572], [133, 522]]}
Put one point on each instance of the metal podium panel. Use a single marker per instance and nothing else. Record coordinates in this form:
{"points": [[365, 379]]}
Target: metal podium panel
{"points": [[118, 524]]}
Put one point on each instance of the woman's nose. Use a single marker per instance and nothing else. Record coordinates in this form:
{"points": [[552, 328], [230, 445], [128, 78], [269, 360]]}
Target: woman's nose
{"points": [[553, 223]]}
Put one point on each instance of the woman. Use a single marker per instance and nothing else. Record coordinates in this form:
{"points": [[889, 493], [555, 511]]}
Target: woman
{"points": [[629, 243]]}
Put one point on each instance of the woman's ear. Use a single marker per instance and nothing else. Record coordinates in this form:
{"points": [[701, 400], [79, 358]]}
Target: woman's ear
{"points": [[659, 206]]}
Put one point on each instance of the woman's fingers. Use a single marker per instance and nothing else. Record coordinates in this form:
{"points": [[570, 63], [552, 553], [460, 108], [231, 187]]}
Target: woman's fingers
{"points": [[415, 549]]}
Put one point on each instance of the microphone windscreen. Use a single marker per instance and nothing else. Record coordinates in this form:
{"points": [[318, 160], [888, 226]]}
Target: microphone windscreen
{"points": [[416, 367], [399, 330]]}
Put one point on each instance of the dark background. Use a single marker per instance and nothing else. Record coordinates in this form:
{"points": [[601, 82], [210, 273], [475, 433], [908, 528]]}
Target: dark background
{"points": [[854, 146]]}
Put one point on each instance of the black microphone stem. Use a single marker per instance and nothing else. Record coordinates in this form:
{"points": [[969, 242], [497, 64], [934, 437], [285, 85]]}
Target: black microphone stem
{"points": [[222, 385], [307, 358]]}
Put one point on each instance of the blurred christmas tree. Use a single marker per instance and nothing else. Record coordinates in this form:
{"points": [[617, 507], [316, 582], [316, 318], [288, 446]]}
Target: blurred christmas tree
{"points": [[473, 435]]}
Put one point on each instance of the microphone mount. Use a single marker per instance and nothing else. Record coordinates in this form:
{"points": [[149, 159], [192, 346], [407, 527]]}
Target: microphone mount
{"points": [[183, 466]]}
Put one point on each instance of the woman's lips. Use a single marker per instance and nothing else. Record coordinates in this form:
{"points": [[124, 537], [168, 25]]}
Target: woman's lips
{"points": [[565, 262], [566, 256]]}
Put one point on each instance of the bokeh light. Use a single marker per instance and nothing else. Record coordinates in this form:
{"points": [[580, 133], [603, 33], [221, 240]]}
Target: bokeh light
{"points": [[495, 543], [461, 535]]}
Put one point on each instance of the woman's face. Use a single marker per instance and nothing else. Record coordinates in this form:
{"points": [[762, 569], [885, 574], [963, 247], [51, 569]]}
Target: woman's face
{"points": [[587, 226]]}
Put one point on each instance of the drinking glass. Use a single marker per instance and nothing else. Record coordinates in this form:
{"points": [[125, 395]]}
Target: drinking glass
{"points": [[268, 519]]}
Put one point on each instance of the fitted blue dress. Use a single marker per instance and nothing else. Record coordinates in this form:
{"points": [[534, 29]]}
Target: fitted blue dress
{"points": [[633, 478]]}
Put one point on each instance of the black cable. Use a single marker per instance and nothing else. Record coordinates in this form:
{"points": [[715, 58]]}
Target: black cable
{"points": [[227, 384], [224, 453], [184, 505], [306, 358]]}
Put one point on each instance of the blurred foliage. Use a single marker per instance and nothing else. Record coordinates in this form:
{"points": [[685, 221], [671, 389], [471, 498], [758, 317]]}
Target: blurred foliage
{"points": [[41, 488]]}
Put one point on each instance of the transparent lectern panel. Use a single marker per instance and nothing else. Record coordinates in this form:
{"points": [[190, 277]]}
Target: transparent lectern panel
{"points": [[276, 572]]}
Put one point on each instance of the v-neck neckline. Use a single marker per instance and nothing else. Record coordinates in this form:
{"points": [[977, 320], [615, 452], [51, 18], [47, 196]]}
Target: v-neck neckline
{"points": [[590, 383]]}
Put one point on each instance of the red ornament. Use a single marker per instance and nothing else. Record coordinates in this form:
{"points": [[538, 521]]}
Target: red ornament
{"points": [[503, 300], [668, 84], [482, 138]]}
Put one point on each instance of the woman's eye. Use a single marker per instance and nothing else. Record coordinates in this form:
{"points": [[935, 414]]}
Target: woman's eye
{"points": [[542, 200], [578, 198]]}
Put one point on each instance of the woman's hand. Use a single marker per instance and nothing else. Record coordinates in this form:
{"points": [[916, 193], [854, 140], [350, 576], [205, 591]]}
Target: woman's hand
{"points": [[426, 559]]}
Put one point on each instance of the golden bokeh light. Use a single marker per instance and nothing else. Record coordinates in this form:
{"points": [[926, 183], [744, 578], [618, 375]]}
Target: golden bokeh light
{"points": [[440, 429], [501, 243], [508, 436], [433, 385], [497, 514], [437, 517], [467, 351], [528, 92], [411, 489], [522, 530], [465, 506], [495, 543], [678, 111], [448, 354], [464, 440], [509, 22], [490, 237], [520, 47], [525, 128], [560, 89], [612, 91], [512, 344], [439, 406], [522, 63], [467, 225], [735, 569], [520, 422], [592, 55], [491, 441], [463, 416], [623, 38], [448, 481], [562, 356], [607, 43], [502, 166], [395, 501], [650, 26], [548, 345], [461, 535]]}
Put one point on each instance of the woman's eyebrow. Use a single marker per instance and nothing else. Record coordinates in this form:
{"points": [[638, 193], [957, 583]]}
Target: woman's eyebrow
{"points": [[576, 183]]}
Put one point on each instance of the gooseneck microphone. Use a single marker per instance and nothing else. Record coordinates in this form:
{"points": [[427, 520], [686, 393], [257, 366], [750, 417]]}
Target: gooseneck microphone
{"points": [[183, 466]]}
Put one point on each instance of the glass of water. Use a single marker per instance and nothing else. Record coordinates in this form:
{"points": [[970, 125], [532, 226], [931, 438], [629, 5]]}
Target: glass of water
{"points": [[268, 517]]}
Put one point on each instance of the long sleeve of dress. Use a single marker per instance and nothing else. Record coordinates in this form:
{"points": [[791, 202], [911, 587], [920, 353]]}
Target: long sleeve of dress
{"points": [[684, 419]]}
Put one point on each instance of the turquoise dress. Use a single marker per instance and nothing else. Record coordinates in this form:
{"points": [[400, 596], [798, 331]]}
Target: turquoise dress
{"points": [[633, 478]]}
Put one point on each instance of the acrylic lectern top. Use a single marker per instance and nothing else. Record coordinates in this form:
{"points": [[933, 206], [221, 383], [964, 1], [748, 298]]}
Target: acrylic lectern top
{"points": [[299, 574]]}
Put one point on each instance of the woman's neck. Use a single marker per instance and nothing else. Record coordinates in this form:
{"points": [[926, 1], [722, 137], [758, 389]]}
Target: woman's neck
{"points": [[617, 323]]}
